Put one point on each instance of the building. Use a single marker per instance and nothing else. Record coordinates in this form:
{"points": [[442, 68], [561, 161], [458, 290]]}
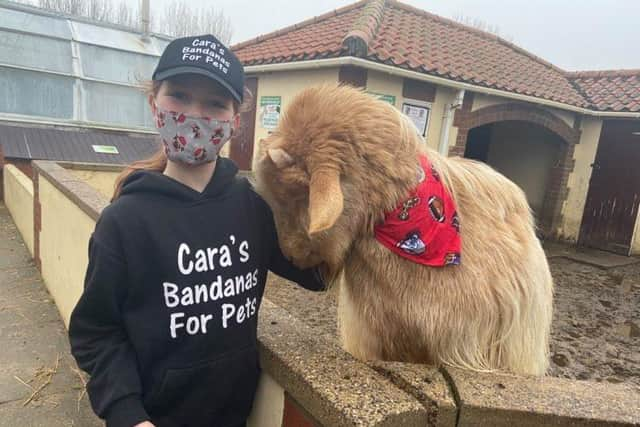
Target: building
{"points": [[570, 140], [476, 95]]}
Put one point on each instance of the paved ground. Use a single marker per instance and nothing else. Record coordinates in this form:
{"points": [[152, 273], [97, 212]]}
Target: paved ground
{"points": [[40, 385]]}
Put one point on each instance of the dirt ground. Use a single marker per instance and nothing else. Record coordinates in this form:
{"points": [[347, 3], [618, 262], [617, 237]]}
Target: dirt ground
{"points": [[596, 322], [40, 384]]}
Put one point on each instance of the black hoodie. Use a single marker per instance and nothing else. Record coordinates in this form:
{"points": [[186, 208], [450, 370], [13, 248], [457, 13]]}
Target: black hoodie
{"points": [[166, 326]]}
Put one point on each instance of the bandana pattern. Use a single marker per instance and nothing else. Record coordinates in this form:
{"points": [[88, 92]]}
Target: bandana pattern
{"points": [[425, 227], [192, 140]]}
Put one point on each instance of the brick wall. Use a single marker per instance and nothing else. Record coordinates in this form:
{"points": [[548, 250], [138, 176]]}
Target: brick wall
{"points": [[26, 167], [2, 162], [462, 123], [37, 220], [557, 190], [23, 165], [294, 415]]}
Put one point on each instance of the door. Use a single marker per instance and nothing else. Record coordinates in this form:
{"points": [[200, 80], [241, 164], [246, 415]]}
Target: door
{"points": [[611, 209], [241, 150]]}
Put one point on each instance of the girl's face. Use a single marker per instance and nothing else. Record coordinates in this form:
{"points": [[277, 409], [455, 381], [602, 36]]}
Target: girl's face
{"points": [[195, 95]]}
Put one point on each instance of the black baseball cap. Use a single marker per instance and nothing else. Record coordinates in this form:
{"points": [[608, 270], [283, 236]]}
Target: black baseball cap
{"points": [[204, 55]]}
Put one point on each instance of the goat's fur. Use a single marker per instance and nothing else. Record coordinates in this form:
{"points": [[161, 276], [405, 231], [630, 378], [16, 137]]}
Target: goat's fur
{"points": [[337, 162]]}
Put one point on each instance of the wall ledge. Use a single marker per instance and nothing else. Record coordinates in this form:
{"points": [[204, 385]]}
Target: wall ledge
{"points": [[335, 389], [79, 192]]}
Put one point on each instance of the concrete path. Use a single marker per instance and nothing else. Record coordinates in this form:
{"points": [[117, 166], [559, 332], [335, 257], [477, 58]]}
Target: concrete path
{"points": [[589, 256], [40, 384]]}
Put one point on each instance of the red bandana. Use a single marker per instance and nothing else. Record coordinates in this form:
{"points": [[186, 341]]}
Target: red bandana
{"points": [[424, 228]]}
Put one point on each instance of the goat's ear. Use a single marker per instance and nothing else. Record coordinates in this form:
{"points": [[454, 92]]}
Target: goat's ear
{"points": [[280, 157], [325, 199]]}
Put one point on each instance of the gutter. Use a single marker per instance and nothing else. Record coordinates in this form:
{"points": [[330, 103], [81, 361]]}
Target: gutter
{"points": [[399, 72]]}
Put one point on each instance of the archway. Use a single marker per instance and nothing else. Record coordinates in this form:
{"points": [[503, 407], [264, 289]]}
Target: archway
{"points": [[545, 158]]}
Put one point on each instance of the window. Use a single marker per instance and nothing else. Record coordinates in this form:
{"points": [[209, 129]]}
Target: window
{"points": [[114, 65], [125, 106], [35, 52], [32, 23], [35, 93]]}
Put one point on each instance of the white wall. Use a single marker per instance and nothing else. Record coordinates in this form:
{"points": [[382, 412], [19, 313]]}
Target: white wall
{"points": [[18, 197], [286, 85], [525, 153]]}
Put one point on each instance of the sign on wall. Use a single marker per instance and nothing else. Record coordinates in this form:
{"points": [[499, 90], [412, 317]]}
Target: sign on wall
{"points": [[270, 111], [383, 97], [419, 115], [105, 149]]}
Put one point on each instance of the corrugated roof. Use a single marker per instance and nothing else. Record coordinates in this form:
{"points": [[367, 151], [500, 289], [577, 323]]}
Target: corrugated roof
{"points": [[396, 34], [74, 144]]}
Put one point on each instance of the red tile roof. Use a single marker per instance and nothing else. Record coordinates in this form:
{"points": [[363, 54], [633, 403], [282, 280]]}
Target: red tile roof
{"points": [[319, 37], [610, 90], [396, 34]]}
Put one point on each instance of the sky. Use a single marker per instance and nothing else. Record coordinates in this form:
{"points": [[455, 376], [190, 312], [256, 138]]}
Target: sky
{"points": [[575, 35], [571, 34]]}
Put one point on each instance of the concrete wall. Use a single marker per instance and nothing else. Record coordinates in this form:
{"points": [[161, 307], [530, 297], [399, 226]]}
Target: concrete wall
{"points": [[481, 100], [525, 153], [18, 197], [444, 98], [285, 85], [103, 181], [584, 156], [391, 85], [635, 241], [568, 117], [385, 84], [288, 84], [268, 409], [309, 380], [64, 239]]}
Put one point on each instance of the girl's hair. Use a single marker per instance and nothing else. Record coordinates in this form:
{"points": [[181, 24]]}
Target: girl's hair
{"points": [[158, 161]]}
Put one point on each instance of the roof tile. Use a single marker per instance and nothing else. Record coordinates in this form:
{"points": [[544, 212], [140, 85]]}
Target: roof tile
{"points": [[615, 90], [401, 35]]}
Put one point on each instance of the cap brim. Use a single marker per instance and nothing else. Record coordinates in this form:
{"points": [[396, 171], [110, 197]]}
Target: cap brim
{"points": [[162, 75]]}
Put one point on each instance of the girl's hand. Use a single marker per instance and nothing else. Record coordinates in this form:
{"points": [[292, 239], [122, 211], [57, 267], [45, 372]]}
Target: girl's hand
{"points": [[144, 424]]}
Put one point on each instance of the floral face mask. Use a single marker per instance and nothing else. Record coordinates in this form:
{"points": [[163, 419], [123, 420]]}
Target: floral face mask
{"points": [[192, 140]]}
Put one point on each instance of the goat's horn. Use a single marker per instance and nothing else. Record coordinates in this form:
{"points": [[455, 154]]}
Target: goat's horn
{"points": [[280, 157], [325, 199]]}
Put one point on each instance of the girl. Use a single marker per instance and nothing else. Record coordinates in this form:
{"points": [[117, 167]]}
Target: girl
{"points": [[166, 326]]}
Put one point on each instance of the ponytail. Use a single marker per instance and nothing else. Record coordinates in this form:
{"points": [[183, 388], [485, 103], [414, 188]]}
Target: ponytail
{"points": [[157, 163]]}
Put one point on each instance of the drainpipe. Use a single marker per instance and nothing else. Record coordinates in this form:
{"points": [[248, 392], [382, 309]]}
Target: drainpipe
{"points": [[447, 122], [145, 18]]}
